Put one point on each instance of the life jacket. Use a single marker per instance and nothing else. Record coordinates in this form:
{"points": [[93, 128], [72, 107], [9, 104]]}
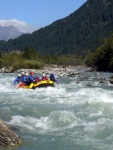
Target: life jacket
{"points": [[52, 78], [44, 78]]}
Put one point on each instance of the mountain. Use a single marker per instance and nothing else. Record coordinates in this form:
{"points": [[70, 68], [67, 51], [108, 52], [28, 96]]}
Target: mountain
{"points": [[9, 32], [80, 32]]}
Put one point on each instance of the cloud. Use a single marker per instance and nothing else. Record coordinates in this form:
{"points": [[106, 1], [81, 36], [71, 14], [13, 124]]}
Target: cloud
{"points": [[20, 25]]}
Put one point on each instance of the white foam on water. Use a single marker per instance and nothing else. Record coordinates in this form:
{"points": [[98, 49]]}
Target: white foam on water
{"points": [[71, 111], [60, 94], [55, 121], [99, 113]]}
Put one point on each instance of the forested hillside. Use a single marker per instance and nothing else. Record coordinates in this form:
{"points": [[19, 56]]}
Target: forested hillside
{"points": [[102, 58], [78, 33]]}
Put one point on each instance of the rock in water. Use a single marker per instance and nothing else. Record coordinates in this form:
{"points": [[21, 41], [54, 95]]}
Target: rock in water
{"points": [[7, 136]]}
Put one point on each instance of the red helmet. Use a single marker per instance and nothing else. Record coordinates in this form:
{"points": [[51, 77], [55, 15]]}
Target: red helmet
{"points": [[31, 72]]}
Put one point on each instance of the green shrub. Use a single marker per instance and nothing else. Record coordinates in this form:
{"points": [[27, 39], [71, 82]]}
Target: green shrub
{"points": [[27, 64], [73, 60]]}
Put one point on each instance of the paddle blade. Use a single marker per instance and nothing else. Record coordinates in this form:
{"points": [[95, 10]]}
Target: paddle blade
{"points": [[21, 85]]}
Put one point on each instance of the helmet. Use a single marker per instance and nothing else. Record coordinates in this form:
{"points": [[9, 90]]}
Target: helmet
{"points": [[19, 75], [23, 73], [27, 74], [44, 75], [31, 72]]}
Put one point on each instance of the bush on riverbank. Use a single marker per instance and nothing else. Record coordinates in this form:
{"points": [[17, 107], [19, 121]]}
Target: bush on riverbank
{"points": [[29, 59], [74, 60], [27, 64], [102, 58]]}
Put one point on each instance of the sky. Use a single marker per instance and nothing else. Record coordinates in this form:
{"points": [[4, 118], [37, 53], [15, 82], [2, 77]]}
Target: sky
{"points": [[30, 15]]}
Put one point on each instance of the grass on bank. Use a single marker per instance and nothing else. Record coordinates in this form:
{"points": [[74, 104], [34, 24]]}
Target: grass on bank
{"points": [[20, 60]]}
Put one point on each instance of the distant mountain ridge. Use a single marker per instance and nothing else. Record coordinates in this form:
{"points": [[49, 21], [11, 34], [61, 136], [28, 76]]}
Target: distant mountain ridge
{"points": [[9, 32], [80, 32]]}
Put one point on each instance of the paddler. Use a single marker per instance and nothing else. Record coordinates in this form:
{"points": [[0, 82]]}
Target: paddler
{"points": [[52, 78], [18, 79], [44, 77]]}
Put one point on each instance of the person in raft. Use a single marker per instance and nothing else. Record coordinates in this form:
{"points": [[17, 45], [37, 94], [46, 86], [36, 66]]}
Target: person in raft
{"points": [[26, 79], [52, 78], [18, 79], [36, 77], [23, 76], [31, 77], [44, 77]]}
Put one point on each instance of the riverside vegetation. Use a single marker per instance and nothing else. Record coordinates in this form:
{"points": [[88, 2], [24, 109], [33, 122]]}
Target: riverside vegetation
{"points": [[101, 58], [29, 59]]}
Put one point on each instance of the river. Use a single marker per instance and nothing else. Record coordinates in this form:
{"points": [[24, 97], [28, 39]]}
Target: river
{"points": [[77, 114]]}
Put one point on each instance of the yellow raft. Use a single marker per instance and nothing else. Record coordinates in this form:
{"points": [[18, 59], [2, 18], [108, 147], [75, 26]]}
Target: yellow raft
{"points": [[45, 83]]}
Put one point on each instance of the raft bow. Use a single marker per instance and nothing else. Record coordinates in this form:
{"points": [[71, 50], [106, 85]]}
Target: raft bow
{"points": [[45, 83]]}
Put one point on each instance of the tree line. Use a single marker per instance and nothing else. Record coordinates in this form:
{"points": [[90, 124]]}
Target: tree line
{"points": [[78, 33], [29, 58], [102, 57]]}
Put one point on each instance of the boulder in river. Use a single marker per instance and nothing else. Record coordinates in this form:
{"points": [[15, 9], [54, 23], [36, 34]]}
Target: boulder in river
{"points": [[7, 136]]}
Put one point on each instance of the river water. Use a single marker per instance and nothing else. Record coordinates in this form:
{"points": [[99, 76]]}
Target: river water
{"points": [[77, 114]]}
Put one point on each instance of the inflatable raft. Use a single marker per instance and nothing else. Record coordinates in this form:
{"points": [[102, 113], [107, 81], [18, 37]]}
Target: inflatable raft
{"points": [[45, 83]]}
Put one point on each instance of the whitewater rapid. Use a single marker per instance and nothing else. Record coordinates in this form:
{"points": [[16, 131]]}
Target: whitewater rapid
{"points": [[76, 114]]}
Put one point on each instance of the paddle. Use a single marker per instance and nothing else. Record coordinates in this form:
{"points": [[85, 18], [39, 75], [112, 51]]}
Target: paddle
{"points": [[21, 85], [57, 83]]}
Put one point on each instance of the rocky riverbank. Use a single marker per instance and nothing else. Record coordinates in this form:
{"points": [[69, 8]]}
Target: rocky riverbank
{"points": [[7, 136], [59, 71]]}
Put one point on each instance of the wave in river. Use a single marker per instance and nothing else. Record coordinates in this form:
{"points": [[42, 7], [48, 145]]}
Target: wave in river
{"points": [[73, 114]]}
